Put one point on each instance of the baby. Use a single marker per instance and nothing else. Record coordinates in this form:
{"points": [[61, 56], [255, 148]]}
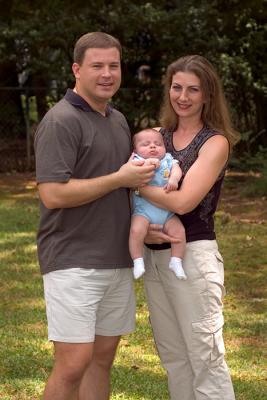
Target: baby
{"points": [[149, 146]]}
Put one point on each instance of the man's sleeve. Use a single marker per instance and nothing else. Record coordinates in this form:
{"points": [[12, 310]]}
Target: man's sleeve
{"points": [[56, 148]]}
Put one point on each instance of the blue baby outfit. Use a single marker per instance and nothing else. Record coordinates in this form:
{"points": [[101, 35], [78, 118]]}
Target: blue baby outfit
{"points": [[141, 206]]}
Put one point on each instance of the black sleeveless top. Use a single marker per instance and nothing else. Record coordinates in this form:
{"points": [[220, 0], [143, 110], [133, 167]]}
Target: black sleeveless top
{"points": [[198, 223]]}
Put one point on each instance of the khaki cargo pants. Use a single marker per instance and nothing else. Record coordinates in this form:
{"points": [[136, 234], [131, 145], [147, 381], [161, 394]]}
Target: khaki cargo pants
{"points": [[186, 318]]}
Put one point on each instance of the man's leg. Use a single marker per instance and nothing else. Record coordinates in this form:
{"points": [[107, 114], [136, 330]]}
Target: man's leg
{"points": [[116, 317], [95, 384], [72, 301], [70, 363]]}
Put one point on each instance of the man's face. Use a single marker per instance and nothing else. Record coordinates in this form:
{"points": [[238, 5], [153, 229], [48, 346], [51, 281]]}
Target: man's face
{"points": [[99, 76]]}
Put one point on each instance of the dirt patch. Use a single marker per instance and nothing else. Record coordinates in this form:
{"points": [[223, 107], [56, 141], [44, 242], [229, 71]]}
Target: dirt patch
{"points": [[252, 209], [18, 183]]}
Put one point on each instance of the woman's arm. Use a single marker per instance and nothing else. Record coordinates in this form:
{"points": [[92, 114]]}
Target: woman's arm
{"points": [[199, 179], [156, 235]]}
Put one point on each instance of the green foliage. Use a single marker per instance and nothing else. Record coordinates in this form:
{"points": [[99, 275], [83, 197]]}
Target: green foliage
{"points": [[256, 163], [38, 38]]}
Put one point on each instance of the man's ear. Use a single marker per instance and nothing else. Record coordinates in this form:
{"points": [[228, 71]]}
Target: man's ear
{"points": [[76, 70]]}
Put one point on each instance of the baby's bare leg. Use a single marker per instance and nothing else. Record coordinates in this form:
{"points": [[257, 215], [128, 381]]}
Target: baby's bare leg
{"points": [[174, 227], [138, 231]]}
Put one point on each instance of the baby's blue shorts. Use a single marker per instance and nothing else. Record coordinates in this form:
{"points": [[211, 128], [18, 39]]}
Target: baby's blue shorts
{"points": [[153, 214]]}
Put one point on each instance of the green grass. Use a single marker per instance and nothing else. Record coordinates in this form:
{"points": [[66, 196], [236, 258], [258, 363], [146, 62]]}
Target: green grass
{"points": [[26, 355]]}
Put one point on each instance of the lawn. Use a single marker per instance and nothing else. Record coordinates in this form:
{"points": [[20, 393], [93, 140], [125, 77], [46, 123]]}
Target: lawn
{"points": [[26, 355]]}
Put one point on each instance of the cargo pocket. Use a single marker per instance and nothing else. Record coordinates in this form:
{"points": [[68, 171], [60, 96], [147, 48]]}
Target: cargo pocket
{"points": [[208, 340], [213, 273]]}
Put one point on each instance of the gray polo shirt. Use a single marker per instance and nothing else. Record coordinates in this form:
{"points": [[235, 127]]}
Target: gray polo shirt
{"points": [[74, 141]]}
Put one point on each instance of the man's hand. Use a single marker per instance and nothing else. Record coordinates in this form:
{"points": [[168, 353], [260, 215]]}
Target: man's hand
{"points": [[135, 173], [156, 235]]}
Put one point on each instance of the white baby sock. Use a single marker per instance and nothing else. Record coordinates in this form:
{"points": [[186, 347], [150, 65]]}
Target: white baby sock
{"points": [[176, 266], [139, 267]]}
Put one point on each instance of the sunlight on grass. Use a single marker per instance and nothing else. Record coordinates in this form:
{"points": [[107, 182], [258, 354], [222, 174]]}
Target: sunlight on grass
{"points": [[18, 235], [23, 389]]}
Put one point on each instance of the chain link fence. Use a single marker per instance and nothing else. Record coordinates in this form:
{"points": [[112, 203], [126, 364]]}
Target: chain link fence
{"points": [[20, 111]]}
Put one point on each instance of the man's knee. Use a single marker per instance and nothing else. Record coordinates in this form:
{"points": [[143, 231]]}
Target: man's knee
{"points": [[105, 351], [71, 360]]}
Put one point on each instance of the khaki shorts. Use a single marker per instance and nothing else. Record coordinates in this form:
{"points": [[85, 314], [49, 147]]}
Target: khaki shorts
{"points": [[82, 303]]}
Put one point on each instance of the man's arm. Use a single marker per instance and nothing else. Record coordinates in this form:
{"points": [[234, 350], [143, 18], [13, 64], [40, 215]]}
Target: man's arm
{"points": [[77, 192]]}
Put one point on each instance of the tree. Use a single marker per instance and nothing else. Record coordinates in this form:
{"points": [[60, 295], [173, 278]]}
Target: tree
{"points": [[37, 39]]}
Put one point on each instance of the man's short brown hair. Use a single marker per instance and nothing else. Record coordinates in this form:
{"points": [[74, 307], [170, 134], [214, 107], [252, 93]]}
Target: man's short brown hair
{"points": [[91, 40]]}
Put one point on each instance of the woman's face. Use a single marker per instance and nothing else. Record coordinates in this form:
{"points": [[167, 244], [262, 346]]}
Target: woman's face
{"points": [[186, 95]]}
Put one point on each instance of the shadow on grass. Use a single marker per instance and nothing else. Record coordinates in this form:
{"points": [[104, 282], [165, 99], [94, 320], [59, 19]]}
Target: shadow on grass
{"points": [[138, 384], [248, 389], [249, 291], [126, 382], [131, 383], [18, 215]]}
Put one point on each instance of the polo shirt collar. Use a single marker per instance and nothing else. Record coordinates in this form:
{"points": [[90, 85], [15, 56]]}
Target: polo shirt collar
{"points": [[77, 101]]}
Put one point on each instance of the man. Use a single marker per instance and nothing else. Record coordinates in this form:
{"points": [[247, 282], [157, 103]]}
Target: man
{"points": [[82, 146]]}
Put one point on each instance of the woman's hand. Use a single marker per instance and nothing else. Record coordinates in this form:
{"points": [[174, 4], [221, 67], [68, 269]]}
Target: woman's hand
{"points": [[155, 235]]}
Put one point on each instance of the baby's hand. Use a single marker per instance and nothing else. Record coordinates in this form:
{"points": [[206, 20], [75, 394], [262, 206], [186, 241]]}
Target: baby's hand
{"points": [[153, 161], [171, 185]]}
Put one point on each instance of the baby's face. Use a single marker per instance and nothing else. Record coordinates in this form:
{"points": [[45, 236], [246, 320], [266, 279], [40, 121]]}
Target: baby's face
{"points": [[149, 143]]}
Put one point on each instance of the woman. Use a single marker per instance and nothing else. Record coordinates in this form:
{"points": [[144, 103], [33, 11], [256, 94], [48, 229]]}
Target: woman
{"points": [[186, 316]]}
